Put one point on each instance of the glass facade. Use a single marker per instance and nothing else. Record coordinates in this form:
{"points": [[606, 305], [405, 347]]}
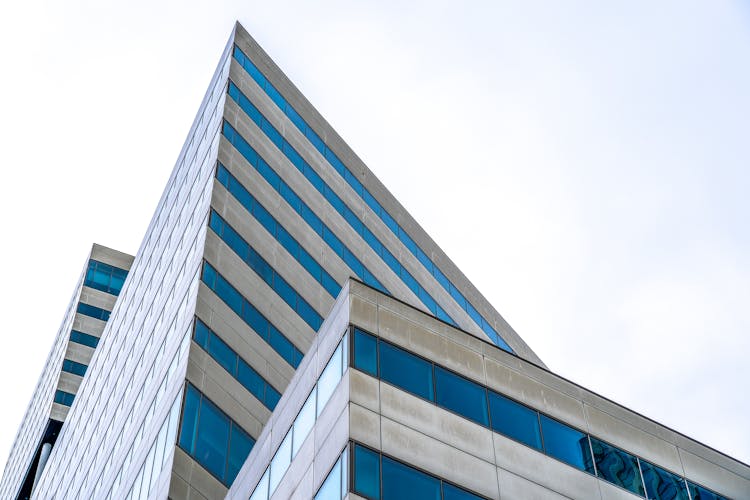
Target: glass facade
{"points": [[105, 277], [213, 439], [235, 365], [472, 401], [366, 196]]}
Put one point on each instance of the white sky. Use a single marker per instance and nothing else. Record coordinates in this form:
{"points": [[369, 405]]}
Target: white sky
{"points": [[584, 163]]}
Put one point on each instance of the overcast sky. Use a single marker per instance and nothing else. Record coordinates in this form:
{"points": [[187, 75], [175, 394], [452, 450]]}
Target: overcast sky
{"points": [[584, 163]]}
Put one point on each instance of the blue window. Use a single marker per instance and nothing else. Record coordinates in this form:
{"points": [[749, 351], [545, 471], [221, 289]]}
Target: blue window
{"points": [[662, 485], [403, 482], [105, 277], [236, 366], [74, 367], [365, 352], [451, 492], [406, 371], [461, 395], [515, 420], [617, 466], [93, 311], [222, 353], [64, 398], [701, 493], [84, 338], [566, 444], [251, 315], [209, 436], [366, 472]]}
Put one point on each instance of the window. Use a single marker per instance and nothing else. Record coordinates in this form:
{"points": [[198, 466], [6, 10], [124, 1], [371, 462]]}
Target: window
{"points": [[84, 338], [336, 484], [515, 420], [211, 437], [566, 444], [617, 466], [105, 277], [461, 395], [403, 482], [74, 367], [406, 371], [365, 352], [64, 398], [366, 472], [93, 311], [662, 485]]}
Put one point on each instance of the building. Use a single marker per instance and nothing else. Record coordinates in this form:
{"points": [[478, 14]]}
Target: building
{"points": [[96, 292], [251, 351]]}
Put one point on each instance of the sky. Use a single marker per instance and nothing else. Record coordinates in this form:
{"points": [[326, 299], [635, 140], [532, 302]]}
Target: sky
{"points": [[585, 164]]}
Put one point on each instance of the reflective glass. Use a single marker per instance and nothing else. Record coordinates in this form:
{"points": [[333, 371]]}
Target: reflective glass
{"points": [[74, 368], [212, 439], [261, 489], [189, 419], [701, 493], [451, 492], [662, 485], [460, 395], [280, 463], [515, 420], [617, 467], [329, 379], [331, 487], [222, 353], [366, 472], [250, 379], [84, 338], [240, 444], [406, 371], [304, 422], [403, 482], [566, 444]]}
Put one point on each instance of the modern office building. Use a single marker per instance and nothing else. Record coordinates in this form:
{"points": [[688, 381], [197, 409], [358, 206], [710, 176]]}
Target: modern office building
{"points": [[87, 314], [287, 330]]}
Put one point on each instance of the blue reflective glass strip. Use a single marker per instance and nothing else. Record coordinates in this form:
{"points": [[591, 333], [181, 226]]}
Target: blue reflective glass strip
{"points": [[258, 264], [529, 426], [93, 311], [266, 394], [250, 315], [74, 367], [293, 200], [281, 235], [352, 180], [64, 398], [338, 204], [105, 277], [83, 338]]}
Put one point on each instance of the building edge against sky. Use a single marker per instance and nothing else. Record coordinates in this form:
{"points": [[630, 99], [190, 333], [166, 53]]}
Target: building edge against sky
{"points": [[266, 215]]}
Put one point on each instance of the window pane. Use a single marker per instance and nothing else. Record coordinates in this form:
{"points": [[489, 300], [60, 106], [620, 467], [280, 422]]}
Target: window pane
{"points": [[403, 482], [701, 493], [261, 490], [304, 423], [222, 353], [365, 353], [515, 420], [406, 371], [240, 444], [460, 395], [331, 487], [366, 473], [201, 334], [250, 379], [329, 379], [451, 492], [212, 440], [189, 419], [566, 444], [617, 467], [280, 462], [662, 485]]}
